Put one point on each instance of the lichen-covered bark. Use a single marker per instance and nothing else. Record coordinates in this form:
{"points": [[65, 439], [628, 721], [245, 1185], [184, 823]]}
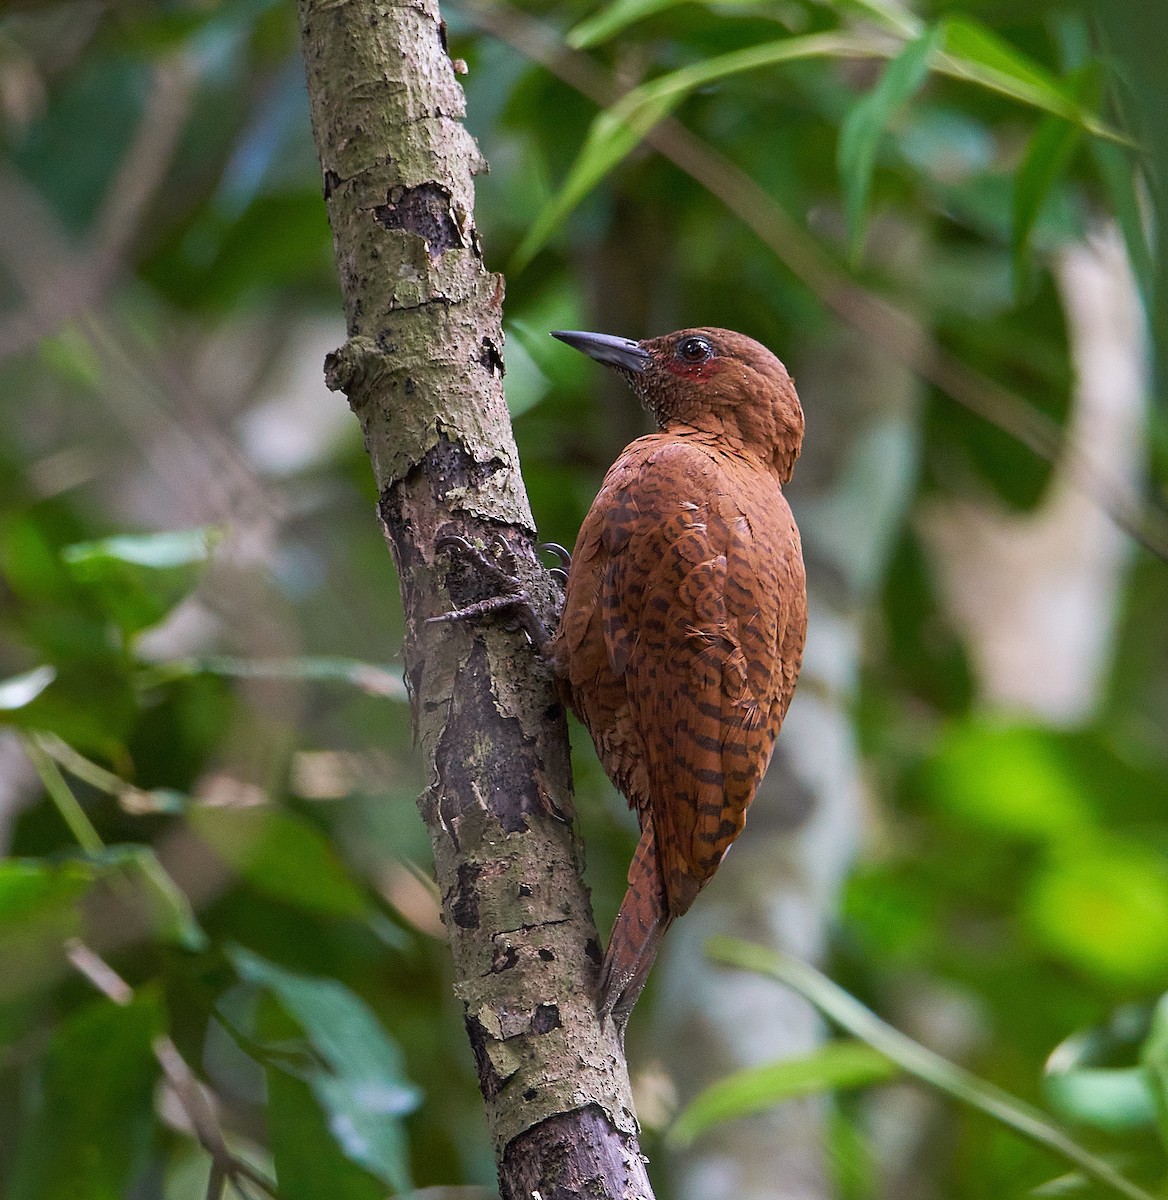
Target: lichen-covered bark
{"points": [[423, 371]]}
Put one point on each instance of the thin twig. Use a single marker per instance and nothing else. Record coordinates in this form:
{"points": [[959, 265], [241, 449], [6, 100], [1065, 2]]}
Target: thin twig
{"points": [[144, 164], [69, 284], [103, 977]]}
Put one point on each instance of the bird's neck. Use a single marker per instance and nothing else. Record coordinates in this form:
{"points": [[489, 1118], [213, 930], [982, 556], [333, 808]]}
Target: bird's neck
{"points": [[776, 455]]}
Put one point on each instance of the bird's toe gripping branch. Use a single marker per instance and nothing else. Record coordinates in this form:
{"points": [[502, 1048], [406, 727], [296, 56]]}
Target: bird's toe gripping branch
{"points": [[501, 573], [560, 573]]}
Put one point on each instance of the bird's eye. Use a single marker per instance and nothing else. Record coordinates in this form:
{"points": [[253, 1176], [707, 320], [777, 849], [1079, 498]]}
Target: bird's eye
{"points": [[694, 349]]}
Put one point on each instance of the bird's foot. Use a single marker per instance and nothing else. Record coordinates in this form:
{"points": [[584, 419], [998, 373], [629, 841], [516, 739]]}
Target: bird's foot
{"points": [[560, 573], [502, 573]]}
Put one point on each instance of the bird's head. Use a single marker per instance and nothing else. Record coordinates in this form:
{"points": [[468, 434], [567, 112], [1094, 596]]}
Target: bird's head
{"points": [[709, 380]]}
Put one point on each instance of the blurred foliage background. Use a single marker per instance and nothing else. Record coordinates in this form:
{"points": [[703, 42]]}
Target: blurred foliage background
{"points": [[206, 771]]}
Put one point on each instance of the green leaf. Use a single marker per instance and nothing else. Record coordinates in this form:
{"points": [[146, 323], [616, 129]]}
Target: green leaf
{"points": [[1120, 177], [137, 580], [611, 20], [604, 25], [1050, 152], [1103, 908], [29, 560], [527, 384], [157, 551], [979, 46], [1091, 1077], [279, 241], [1116, 1099], [88, 705], [837, 1065], [362, 1085], [617, 131], [974, 53], [19, 690], [1047, 158], [931, 1068], [1154, 1058], [71, 356], [863, 127], [29, 886], [94, 1109], [283, 856], [38, 911], [1009, 780], [309, 1163]]}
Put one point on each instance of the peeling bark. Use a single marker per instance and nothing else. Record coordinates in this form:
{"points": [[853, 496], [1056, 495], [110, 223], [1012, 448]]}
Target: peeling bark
{"points": [[423, 372]]}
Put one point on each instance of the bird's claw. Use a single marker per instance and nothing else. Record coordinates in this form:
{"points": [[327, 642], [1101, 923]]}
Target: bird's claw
{"points": [[501, 570], [560, 573], [504, 574], [563, 555], [504, 556], [451, 541]]}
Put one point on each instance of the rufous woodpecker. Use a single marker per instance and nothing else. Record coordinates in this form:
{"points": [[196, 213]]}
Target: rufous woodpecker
{"points": [[684, 617]]}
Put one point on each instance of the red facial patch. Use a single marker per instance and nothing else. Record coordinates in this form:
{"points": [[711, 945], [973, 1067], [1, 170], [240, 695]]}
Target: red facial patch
{"points": [[705, 369]]}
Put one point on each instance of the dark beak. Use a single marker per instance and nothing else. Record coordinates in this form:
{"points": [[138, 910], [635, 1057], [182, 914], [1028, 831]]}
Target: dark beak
{"points": [[613, 351]]}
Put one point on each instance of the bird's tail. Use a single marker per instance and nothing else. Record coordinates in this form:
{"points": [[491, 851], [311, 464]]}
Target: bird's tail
{"points": [[636, 934]]}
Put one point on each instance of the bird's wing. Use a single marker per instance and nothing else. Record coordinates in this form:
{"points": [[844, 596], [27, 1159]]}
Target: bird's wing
{"points": [[692, 620]]}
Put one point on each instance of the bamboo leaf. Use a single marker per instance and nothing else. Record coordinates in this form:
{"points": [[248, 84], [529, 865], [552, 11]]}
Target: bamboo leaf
{"points": [[865, 124], [843, 1064], [1050, 152], [616, 131], [974, 53], [980, 47], [1120, 174], [971, 53], [619, 15]]}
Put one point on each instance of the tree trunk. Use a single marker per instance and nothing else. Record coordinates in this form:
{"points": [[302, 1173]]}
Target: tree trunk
{"points": [[423, 369]]}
